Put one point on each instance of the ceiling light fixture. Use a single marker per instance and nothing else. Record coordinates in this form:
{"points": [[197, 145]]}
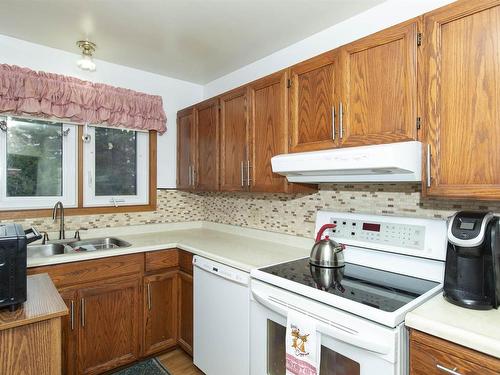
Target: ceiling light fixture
{"points": [[88, 49]]}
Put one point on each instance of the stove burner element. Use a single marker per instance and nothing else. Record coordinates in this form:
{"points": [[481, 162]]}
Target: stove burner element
{"points": [[383, 290]]}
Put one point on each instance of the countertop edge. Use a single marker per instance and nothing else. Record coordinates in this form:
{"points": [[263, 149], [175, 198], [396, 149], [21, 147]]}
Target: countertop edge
{"points": [[468, 339], [180, 244], [43, 262], [37, 295]]}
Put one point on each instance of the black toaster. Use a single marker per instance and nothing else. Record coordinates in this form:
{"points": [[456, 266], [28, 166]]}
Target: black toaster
{"points": [[13, 246]]}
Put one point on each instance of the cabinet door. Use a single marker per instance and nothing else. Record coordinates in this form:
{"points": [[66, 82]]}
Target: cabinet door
{"points": [[268, 132], [108, 335], [234, 126], [314, 86], [462, 100], [185, 328], [379, 87], [69, 327], [206, 175], [160, 307], [185, 149]]}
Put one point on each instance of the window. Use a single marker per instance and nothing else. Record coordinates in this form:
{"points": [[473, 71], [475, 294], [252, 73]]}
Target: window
{"points": [[116, 167], [42, 162], [37, 164]]}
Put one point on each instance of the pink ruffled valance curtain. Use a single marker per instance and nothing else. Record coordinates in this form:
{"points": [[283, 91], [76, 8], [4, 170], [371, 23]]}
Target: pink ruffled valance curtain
{"points": [[27, 92]]}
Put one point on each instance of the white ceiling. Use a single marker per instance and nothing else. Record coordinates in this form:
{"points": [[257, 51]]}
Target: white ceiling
{"points": [[193, 40]]}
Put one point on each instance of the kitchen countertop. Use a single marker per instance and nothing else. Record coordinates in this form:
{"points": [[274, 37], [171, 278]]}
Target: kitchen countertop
{"points": [[43, 302], [242, 248], [475, 329]]}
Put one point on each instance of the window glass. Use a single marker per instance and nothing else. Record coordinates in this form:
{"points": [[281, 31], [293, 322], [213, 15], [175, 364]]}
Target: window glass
{"points": [[34, 159], [115, 162]]}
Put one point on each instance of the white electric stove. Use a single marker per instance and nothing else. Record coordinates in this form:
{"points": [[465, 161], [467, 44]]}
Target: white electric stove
{"points": [[393, 264]]}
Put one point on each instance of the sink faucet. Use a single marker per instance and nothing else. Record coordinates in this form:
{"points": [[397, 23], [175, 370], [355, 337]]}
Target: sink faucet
{"points": [[59, 207]]}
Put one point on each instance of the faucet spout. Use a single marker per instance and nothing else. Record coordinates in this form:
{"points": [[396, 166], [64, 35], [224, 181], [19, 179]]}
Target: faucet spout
{"points": [[58, 207]]}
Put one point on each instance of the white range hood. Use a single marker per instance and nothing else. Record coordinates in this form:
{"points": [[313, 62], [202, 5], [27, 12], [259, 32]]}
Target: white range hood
{"points": [[378, 163]]}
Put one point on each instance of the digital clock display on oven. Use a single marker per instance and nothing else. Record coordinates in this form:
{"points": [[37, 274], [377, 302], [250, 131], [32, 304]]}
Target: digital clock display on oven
{"points": [[371, 227]]}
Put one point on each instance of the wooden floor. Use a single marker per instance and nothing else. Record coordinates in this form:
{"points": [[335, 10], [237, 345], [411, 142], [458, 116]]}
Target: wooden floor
{"points": [[179, 363]]}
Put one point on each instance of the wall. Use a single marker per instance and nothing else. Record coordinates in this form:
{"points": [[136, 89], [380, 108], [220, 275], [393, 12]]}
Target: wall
{"points": [[173, 206], [294, 214], [283, 213], [389, 13], [176, 94]]}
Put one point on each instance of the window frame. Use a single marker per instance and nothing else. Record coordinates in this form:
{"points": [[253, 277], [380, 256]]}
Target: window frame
{"points": [[80, 209], [142, 165], [69, 175]]}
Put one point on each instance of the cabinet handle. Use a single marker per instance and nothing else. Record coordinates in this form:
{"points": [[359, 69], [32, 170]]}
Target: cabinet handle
{"points": [[72, 314], [194, 176], [341, 122], [248, 173], [428, 165], [447, 370], [189, 176], [82, 305], [242, 175], [149, 296], [333, 122]]}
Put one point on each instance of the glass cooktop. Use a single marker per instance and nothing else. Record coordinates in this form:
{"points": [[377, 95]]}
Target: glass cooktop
{"points": [[382, 290]]}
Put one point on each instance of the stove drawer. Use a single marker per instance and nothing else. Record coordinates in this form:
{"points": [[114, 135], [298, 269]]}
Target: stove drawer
{"points": [[432, 356]]}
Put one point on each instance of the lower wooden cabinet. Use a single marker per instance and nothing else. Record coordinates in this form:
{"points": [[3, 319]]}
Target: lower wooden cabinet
{"points": [[430, 355], [160, 312], [68, 332], [185, 327], [108, 334], [102, 329], [123, 308]]}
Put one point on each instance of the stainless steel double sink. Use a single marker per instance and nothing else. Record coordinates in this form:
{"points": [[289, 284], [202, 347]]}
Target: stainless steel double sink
{"points": [[75, 246]]}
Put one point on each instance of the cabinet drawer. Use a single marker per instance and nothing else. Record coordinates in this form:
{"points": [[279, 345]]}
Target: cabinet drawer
{"points": [[426, 360], [91, 270], [430, 355], [158, 260]]}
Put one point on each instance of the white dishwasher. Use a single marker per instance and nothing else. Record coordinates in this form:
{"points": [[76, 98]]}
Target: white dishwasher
{"points": [[221, 318]]}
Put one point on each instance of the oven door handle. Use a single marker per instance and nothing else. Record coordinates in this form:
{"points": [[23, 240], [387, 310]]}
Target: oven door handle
{"points": [[324, 327]]}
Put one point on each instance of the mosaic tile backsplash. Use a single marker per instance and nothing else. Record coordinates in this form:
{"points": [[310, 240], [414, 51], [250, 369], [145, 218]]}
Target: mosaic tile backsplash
{"points": [[284, 213]]}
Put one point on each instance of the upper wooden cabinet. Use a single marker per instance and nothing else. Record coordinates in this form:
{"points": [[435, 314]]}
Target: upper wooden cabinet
{"points": [[314, 93], [185, 148], [268, 131], [379, 87], [439, 73], [234, 159], [206, 168], [461, 80]]}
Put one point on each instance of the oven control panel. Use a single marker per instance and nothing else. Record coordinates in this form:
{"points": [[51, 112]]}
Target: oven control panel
{"points": [[394, 234], [419, 237]]}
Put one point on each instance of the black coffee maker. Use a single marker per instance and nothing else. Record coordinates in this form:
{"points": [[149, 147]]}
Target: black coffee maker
{"points": [[472, 273]]}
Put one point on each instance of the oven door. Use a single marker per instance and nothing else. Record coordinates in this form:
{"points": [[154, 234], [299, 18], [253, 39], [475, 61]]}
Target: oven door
{"points": [[349, 345]]}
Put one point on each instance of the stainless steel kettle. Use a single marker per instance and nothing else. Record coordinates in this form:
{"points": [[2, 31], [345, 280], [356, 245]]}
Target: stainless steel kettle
{"points": [[326, 252]]}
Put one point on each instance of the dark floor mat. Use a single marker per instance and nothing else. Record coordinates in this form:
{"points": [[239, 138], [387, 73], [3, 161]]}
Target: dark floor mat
{"points": [[148, 367]]}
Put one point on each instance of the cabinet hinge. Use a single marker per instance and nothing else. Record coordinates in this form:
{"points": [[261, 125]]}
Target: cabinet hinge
{"points": [[288, 83], [418, 123], [419, 39]]}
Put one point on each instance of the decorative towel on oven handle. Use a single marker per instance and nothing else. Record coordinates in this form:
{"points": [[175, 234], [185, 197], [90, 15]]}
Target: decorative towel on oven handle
{"points": [[302, 354]]}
